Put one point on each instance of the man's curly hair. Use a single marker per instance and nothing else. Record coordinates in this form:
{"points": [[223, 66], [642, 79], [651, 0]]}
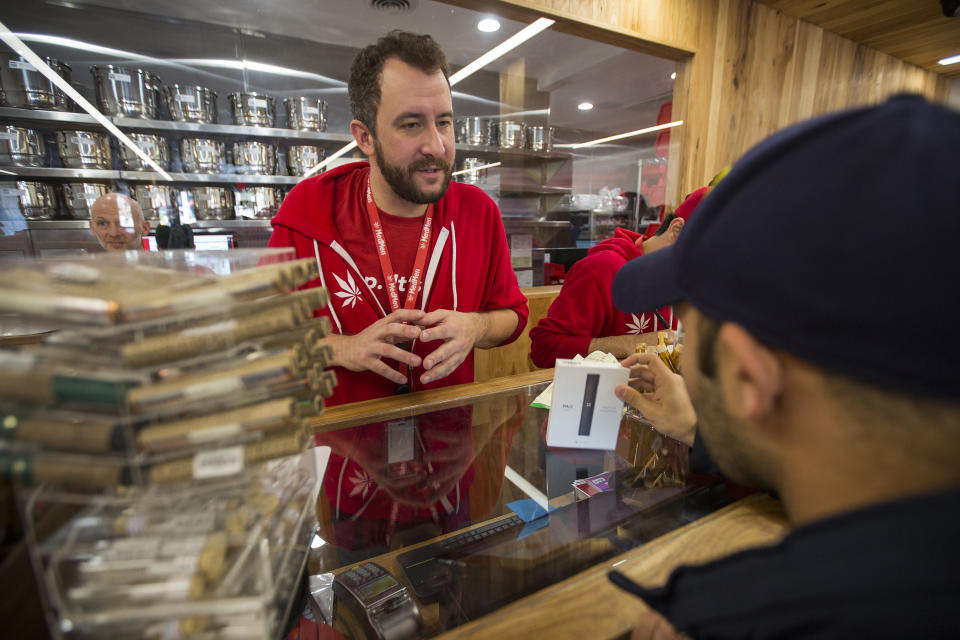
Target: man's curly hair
{"points": [[418, 51]]}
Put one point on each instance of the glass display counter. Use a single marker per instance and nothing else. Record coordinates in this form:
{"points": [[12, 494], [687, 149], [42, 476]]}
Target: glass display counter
{"points": [[428, 511]]}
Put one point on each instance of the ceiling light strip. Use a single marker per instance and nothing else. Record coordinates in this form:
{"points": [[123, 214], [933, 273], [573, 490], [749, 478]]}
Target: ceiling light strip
{"points": [[950, 60], [330, 159], [18, 46], [620, 136], [504, 47], [475, 169]]}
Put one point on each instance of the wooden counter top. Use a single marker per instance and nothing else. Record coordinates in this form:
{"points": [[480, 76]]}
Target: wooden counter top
{"points": [[588, 605], [357, 413]]}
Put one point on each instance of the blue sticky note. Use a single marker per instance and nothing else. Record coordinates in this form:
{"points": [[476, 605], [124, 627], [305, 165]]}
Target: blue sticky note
{"points": [[528, 510], [533, 526]]}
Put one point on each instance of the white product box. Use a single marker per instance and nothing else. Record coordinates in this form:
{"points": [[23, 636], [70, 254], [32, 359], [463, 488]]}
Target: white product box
{"points": [[584, 412]]}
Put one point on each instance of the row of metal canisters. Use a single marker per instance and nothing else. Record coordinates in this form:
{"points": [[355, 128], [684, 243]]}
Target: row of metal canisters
{"points": [[505, 134], [160, 203], [21, 147], [136, 93]]}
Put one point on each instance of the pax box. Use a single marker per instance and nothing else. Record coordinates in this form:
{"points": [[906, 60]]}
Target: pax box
{"points": [[584, 412]]}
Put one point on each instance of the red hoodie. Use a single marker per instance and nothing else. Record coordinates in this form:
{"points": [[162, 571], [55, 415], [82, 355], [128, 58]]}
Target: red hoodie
{"points": [[468, 267], [584, 309]]}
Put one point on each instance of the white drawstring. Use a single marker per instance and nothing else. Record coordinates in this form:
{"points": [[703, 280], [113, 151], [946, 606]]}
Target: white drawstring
{"points": [[323, 283], [453, 240]]}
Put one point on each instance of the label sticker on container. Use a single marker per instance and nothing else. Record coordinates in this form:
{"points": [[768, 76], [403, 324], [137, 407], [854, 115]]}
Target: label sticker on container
{"points": [[7, 135], [207, 148], [219, 327], [119, 77], [186, 97], [246, 197], [213, 388], [311, 111], [215, 433], [257, 103], [90, 197], [218, 463], [22, 65]]}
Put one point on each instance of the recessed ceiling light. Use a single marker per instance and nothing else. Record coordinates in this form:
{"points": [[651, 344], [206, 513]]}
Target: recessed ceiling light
{"points": [[488, 25], [585, 106], [950, 60], [673, 76]]}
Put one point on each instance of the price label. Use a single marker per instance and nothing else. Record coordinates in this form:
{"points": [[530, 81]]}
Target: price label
{"points": [[246, 197], [257, 103], [218, 463], [207, 148], [90, 197], [213, 388], [187, 98], [215, 433], [119, 77], [311, 111], [23, 66], [219, 327], [9, 193], [7, 135], [136, 548]]}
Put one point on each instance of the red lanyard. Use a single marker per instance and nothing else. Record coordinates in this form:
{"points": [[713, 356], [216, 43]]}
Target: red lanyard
{"points": [[390, 281]]}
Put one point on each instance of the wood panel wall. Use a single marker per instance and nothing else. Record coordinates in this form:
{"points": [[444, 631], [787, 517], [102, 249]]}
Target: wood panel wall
{"points": [[744, 71]]}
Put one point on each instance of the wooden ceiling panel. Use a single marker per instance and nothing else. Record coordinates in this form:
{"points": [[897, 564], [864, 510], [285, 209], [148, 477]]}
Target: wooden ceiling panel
{"points": [[912, 30]]}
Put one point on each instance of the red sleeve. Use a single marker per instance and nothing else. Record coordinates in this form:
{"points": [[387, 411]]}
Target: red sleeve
{"points": [[502, 290], [580, 313]]}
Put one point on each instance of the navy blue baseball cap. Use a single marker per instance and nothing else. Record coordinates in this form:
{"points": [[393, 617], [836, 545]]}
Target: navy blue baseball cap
{"points": [[836, 240]]}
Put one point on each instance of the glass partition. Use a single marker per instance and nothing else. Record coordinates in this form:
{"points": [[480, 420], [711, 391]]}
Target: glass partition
{"points": [[234, 104]]}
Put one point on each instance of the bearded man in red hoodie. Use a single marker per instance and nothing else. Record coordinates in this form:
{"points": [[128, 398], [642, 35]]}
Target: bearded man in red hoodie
{"points": [[417, 267], [584, 319]]}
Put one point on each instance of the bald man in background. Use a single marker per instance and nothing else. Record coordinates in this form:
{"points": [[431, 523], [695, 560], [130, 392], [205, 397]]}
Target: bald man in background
{"points": [[117, 222]]}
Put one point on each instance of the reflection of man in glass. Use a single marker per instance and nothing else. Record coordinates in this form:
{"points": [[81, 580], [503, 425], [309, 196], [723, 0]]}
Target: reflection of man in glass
{"points": [[117, 222]]}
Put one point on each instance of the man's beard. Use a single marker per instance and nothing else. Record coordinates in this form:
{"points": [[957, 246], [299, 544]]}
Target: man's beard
{"points": [[401, 181], [738, 459]]}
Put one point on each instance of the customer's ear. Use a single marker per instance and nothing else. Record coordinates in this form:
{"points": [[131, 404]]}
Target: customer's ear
{"points": [[752, 374]]}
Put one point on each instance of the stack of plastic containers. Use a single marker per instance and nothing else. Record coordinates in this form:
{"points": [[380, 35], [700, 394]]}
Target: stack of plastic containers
{"points": [[159, 439]]}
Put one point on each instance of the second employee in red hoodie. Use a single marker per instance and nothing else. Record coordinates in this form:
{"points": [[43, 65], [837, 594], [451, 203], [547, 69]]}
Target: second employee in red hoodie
{"points": [[417, 267], [583, 318]]}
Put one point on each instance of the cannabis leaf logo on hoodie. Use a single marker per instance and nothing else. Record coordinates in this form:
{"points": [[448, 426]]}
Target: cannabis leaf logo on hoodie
{"points": [[639, 325], [351, 292]]}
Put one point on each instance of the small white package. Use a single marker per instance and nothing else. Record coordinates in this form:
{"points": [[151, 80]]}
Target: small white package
{"points": [[584, 412]]}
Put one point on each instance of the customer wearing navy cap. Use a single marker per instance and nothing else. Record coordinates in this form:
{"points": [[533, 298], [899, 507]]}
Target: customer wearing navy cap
{"points": [[794, 285]]}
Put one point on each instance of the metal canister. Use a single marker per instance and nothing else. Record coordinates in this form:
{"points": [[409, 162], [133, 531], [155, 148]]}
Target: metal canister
{"points": [[21, 147], [511, 134], [258, 202], [153, 145], [213, 203], [473, 131], [32, 200], [302, 158], [124, 91], [253, 157], [306, 114], [253, 109], [80, 196], [21, 85], [202, 155], [83, 149], [190, 103], [539, 138], [473, 175], [158, 202]]}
